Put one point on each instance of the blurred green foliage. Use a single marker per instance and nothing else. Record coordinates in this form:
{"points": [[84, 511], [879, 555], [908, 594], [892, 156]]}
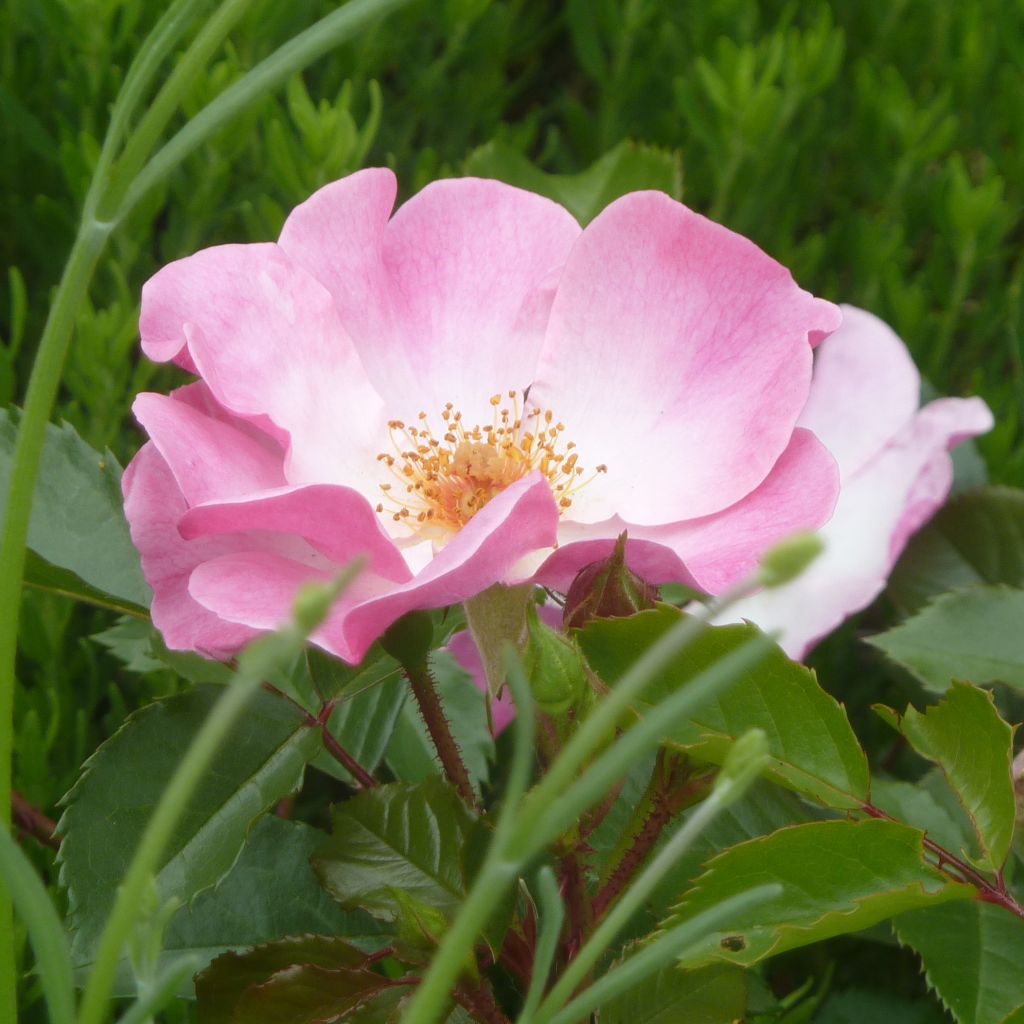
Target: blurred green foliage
{"points": [[874, 147]]}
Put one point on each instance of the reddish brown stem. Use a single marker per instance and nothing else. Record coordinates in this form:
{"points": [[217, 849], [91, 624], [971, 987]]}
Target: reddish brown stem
{"points": [[673, 790], [425, 692], [953, 867], [33, 822], [594, 819], [363, 778], [579, 913]]}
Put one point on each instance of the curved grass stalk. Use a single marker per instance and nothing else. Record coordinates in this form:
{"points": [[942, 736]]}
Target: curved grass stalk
{"points": [[329, 32], [89, 243], [45, 930], [552, 914]]}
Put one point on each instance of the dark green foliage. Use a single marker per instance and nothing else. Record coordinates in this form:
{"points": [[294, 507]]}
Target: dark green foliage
{"points": [[874, 148]]}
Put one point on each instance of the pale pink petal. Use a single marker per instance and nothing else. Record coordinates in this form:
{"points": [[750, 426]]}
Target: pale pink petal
{"points": [[210, 458], [678, 354], [258, 589], [267, 340], [337, 521], [153, 504], [337, 235], [449, 302], [259, 427], [865, 389], [712, 552], [519, 520], [893, 493]]}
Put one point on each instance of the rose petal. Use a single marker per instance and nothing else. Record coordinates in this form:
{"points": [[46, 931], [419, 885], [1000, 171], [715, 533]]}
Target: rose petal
{"points": [[209, 458], [521, 519], [337, 521], [258, 589], [863, 364], [267, 340], [153, 504], [894, 493], [448, 302], [712, 552], [677, 354], [259, 428]]}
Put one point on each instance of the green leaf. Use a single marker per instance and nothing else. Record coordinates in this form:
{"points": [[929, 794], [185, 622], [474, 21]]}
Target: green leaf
{"points": [[261, 762], [762, 811], [812, 746], [130, 640], [915, 803], [78, 529], [973, 746], [970, 634], [411, 755], [971, 954], [836, 877], [406, 837], [220, 987], [628, 167], [712, 995], [310, 994], [977, 538], [270, 893], [860, 1006], [137, 643]]}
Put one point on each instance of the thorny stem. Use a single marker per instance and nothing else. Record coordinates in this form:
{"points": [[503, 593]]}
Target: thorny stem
{"points": [[953, 867], [516, 956], [595, 817], [426, 695], [577, 902], [672, 790], [32, 822]]}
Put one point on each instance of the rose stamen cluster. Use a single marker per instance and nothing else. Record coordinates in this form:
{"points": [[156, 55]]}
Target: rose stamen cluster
{"points": [[442, 482]]}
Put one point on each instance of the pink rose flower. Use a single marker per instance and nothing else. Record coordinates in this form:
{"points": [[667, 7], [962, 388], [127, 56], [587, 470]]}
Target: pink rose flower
{"points": [[473, 391], [895, 470]]}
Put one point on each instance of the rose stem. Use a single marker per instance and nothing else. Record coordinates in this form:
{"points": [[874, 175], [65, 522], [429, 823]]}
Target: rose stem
{"points": [[666, 795], [953, 867], [33, 822], [425, 692]]}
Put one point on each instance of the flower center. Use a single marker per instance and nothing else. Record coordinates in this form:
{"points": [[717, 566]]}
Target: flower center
{"points": [[441, 482]]}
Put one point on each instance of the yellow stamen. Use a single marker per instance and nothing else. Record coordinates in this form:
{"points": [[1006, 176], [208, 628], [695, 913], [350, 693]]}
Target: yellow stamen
{"points": [[446, 480]]}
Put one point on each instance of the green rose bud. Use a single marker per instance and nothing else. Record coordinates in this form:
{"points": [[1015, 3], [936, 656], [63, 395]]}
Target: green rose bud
{"points": [[554, 666], [606, 589]]}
